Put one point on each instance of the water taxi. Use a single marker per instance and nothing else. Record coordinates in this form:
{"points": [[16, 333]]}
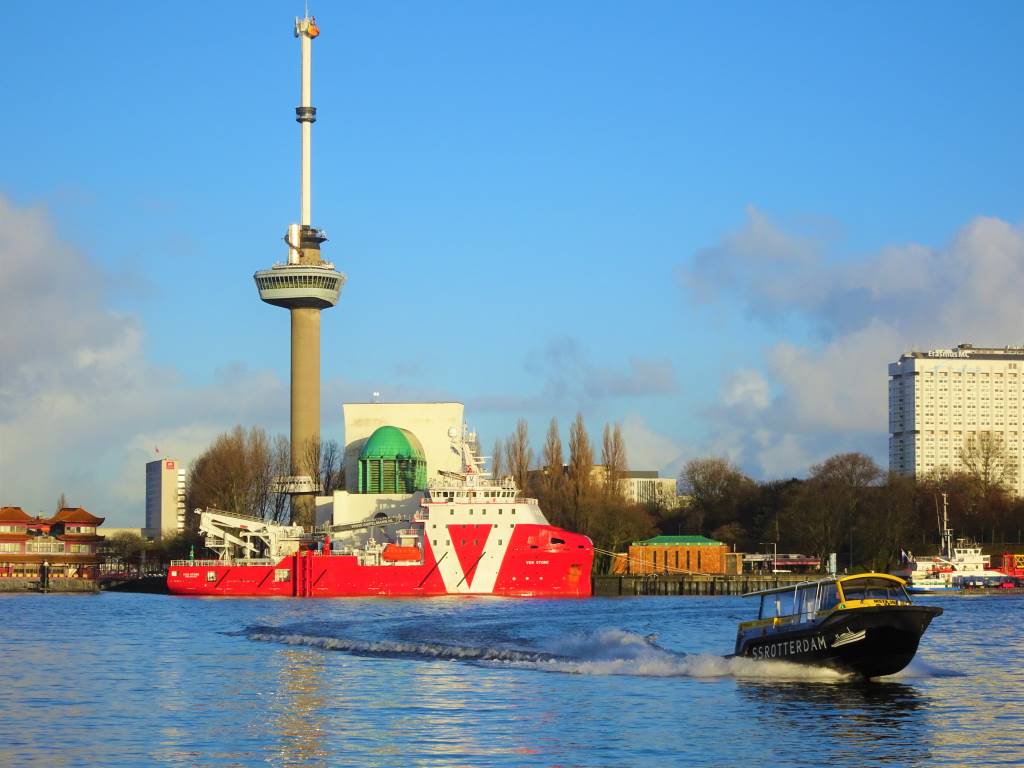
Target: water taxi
{"points": [[863, 624]]}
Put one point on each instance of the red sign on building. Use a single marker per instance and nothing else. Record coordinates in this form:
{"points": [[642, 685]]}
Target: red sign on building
{"points": [[169, 464]]}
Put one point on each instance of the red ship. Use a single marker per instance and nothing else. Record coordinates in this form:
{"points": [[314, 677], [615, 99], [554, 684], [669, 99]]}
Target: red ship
{"points": [[470, 535]]}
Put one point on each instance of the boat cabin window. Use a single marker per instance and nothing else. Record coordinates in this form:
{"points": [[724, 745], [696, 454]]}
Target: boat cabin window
{"points": [[776, 604], [829, 597], [874, 589], [803, 601]]}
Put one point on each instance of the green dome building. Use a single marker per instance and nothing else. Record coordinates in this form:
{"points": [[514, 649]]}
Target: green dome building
{"points": [[392, 461]]}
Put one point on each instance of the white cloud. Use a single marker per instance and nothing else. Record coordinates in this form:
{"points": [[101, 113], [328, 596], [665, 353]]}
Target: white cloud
{"points": [[814, 399], [648, 449], [746, 388], [80, 407]]}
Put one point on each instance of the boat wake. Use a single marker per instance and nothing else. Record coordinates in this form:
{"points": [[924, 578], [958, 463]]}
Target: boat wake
{"points": [[918, 667], [605, 653]]}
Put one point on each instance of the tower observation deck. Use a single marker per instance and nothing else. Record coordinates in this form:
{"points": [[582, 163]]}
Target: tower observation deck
{"points": [[304, 285]]}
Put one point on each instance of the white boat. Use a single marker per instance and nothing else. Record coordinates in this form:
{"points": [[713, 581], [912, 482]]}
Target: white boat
{"points": [[947, 571]]}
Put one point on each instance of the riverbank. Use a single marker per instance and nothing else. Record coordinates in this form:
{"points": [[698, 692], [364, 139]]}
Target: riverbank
{"points": [[692, 583], [52, 585]]}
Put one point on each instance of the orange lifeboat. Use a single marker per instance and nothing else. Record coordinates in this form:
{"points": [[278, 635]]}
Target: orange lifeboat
{"points": [[393, 553]]}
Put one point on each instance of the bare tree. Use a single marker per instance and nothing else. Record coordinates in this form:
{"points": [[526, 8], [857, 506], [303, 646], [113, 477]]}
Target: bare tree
{"points": [[613, 458], [987, 461], [234, 474], [280, 510], [497, 466], [332, 467], [519, 455], [825, 513], [716, 488], [62, 501], [309, 458], [581, 464], [615, 523], [551, 484]]}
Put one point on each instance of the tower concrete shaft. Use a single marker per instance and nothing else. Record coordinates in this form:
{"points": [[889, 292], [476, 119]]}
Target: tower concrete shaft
{"points": [[305, 285]]}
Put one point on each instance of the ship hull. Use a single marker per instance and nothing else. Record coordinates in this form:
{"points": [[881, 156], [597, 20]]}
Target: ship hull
{"points": [[869, 642], [520, 569]]}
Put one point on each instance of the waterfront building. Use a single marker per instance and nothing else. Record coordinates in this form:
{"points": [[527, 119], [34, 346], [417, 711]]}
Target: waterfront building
{"points": [[943, 401], [61, 547], [678, 554], [165, 498]]}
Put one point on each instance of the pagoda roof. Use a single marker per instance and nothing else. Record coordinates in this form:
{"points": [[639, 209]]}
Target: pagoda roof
{"points": [[75, 515], [14, 515], [14, 537]]}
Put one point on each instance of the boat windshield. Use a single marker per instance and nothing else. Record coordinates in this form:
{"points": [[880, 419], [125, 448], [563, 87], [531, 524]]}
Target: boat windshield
{"points": [[874, 588], [803, 601]]}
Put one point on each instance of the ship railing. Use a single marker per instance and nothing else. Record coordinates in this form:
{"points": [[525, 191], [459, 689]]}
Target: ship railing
{"points": [[482, 498], [239, 515], [209, 563]]}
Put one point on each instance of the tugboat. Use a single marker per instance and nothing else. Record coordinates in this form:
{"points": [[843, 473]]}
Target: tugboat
{"points": [[957, 566], [864, 624]]}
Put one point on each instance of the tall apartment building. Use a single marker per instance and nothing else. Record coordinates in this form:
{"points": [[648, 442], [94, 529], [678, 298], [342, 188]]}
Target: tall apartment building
{"points": [[165, 497], [942, 398]]}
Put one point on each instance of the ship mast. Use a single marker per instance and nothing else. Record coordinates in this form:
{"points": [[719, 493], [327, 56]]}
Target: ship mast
{"points": [[947, 532]]}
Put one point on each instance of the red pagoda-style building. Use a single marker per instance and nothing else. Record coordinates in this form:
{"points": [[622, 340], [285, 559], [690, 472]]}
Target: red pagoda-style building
{"points": [[50, 551]]}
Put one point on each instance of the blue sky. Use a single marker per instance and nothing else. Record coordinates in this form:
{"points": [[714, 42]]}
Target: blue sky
{"points": [[671, 215]]}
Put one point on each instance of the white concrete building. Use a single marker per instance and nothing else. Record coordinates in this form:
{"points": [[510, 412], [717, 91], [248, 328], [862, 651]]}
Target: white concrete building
{"points": [[645, 487], [165, 497], [940, 399], [418, 433]]}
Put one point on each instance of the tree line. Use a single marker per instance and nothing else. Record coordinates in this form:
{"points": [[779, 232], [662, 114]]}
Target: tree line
{"points": [[847, 504], [850, 506], [572, 494]]}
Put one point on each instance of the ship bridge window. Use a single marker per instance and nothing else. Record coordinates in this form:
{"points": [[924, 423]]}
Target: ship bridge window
{"points": [[873, 589]]}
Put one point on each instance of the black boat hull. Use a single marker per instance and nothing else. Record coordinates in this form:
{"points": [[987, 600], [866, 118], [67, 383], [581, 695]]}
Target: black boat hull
{"points": [[869, 641]]}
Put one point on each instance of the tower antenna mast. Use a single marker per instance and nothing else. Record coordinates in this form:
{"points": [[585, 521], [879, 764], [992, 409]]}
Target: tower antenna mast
{"points": [[304, 285]]}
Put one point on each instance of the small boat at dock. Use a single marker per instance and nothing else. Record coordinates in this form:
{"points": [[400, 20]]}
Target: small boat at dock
{"points": [[864, 624]]}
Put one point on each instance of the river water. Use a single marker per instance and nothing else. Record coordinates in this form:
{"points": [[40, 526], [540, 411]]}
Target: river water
{"points": [[126, 679]]}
